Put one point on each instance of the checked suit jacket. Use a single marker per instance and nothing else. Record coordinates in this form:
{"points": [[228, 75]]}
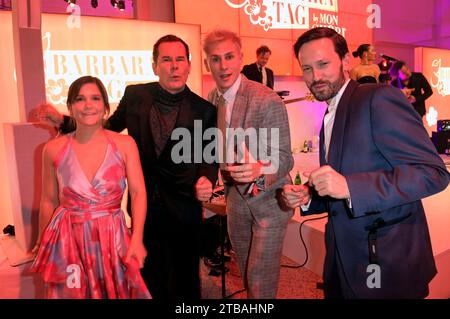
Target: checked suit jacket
{"points": [[257, 106]]}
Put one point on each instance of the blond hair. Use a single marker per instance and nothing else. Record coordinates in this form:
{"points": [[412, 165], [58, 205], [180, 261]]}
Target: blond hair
{"points": [[220, 35]]}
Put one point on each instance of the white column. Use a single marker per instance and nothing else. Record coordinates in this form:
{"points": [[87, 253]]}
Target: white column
{"points": [[24, 141]]}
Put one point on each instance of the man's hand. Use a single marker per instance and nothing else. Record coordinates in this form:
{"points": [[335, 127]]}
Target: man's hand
{"points": [[328, 182], [245, 173], [411, 99], [295, 195], [203, 189], [47, 114], [407, 92]]}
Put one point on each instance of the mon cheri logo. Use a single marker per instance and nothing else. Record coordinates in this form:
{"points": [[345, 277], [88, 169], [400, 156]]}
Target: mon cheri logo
{"points": [[289, 14]]}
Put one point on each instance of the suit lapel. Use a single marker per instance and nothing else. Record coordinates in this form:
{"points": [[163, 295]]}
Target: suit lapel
{"points": [[322, 143], [270, 78], [337, 136], [148, 144], [240, 106], [258, 75], [238, 116]]}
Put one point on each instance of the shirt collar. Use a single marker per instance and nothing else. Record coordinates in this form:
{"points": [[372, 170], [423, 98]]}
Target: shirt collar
{"points": [[332, 106], [230, 94]]}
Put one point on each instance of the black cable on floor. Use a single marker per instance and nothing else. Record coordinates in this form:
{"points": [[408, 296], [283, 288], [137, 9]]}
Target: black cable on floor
{"points": [[235, 293], [303, 242], [289, 266]]}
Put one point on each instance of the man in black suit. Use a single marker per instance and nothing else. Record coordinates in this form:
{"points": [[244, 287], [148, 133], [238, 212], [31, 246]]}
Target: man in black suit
{"points": [[151, 112], [413, 84], [258, 71]]}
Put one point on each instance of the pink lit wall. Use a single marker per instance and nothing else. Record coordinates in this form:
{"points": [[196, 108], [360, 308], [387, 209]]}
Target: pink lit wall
{"points": [[9, 109], [407, 24], [435, 66]]}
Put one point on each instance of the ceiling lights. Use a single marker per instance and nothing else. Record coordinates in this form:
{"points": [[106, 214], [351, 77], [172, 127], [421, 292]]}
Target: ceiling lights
{"points": [[117, 4]]}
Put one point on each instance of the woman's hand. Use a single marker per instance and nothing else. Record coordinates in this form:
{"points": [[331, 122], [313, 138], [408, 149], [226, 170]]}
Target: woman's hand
{"points": [[35, 249], [136, 250]]}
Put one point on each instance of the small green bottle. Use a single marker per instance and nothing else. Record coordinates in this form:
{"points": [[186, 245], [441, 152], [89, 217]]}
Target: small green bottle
{"points": [[298, 179], [305, 147]]}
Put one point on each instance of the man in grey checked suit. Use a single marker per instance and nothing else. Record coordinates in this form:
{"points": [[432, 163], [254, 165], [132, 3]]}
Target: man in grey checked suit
{"points": [[256, 221]]}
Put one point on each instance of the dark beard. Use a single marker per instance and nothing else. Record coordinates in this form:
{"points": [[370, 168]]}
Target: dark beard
{"points": [[333, 88]]}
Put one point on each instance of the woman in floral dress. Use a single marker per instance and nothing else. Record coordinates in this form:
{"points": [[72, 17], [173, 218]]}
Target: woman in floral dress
{"points": [[85, 249]]}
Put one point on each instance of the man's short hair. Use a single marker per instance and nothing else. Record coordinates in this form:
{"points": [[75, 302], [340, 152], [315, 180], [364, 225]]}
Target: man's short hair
{"points": [[263, 50], [340, 45], [220, 35], [168, 38], [393, 71]]}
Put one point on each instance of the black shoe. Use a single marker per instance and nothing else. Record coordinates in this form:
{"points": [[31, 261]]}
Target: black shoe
{"points": [[217, 271], [212, 261], [226, 257]]}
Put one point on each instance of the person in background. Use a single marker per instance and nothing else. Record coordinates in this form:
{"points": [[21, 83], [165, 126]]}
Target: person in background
{"points": [[175, 191], [258, 71], [413, 84], [256, 220], [366, 71], [84, 247], [376, 164]]}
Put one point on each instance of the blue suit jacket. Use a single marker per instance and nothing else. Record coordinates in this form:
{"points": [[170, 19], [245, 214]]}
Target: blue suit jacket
{"points": [[381, 147]]}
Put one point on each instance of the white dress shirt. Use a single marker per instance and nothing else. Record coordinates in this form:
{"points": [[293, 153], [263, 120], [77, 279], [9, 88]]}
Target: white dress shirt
{"points": [[328, 123], [328, 120], [264, 75]]}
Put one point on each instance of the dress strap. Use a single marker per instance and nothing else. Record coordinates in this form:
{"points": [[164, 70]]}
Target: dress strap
{"points": [[63, 151], [111, 141], [115, 150]]}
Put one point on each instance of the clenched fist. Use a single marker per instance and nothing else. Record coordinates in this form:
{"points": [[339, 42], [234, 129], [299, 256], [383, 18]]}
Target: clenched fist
{"points": [[203, 189]]}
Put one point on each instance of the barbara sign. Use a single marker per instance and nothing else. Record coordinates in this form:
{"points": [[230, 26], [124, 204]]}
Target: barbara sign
{"points": [[116, 69]]}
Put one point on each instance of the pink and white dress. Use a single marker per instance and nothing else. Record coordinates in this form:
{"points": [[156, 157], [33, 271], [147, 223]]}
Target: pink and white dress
{"points": [[83, 249]]}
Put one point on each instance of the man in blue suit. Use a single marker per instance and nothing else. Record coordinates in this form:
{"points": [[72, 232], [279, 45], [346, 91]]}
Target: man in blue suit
{"points": [[376, 164]]}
